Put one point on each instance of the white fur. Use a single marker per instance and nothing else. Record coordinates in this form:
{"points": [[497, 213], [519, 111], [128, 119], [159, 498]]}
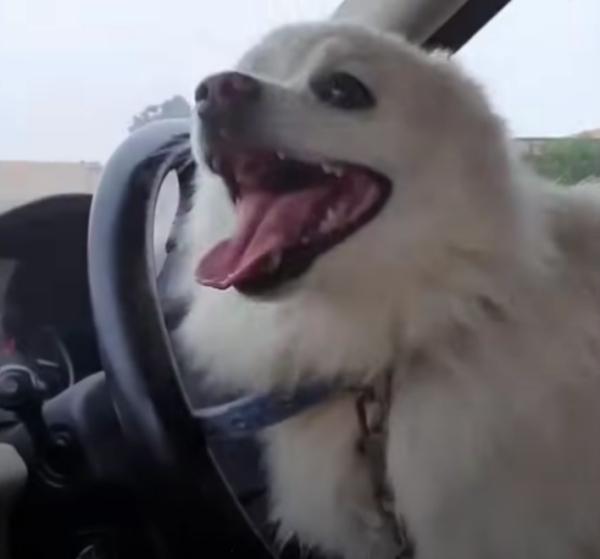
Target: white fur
{"points": [[478, 283]]}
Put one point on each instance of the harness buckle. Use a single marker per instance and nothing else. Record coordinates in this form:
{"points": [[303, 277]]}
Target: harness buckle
{"points": [[372, 411]]}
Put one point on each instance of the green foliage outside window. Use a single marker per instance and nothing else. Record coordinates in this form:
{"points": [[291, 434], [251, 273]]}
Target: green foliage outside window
{"points": [[567, 161]]}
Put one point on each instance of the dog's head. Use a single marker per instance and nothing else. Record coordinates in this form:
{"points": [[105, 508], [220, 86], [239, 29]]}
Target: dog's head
{"points": [[344, 154]]}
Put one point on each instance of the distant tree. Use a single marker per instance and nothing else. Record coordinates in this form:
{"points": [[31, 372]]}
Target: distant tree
{"points": [[176, 107], [568, 161]]}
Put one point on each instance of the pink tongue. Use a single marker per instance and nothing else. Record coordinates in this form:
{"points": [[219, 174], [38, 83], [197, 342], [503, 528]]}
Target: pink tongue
{"points": [[268, 223]]}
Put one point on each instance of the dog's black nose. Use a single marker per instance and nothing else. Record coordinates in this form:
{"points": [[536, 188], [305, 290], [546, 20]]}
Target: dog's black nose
{"points": [[225, 91]]}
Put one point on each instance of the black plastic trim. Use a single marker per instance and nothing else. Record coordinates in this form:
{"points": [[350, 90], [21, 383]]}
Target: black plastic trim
{"points": [[465, 23], [47, 222]]}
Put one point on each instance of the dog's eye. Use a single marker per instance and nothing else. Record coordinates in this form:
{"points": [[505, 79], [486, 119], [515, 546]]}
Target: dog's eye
{"points": [[343, 91]]}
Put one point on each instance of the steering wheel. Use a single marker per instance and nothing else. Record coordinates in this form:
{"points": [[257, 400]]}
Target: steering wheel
{"points": [[156, 417]]}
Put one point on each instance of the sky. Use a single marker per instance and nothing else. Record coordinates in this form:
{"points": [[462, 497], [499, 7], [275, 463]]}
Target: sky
{"points": [[74, 72]]}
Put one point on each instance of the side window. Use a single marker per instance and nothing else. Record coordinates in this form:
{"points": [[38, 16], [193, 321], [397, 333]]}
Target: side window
{"points": [[538, 60]]}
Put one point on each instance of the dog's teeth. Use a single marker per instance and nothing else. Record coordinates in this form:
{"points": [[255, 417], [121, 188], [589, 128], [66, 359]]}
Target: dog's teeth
{"points": [[331, 169], [328, 223]]}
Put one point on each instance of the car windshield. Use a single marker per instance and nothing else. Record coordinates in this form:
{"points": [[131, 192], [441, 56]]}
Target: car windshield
{"points": [[79, 76]]}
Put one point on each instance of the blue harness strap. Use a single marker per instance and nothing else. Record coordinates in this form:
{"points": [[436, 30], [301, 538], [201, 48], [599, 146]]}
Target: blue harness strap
{"points": [[245, 416]]}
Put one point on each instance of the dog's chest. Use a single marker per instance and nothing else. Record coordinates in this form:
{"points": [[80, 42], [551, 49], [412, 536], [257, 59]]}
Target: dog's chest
{"points": [[478, 469], [321, 487], [497, 468]]}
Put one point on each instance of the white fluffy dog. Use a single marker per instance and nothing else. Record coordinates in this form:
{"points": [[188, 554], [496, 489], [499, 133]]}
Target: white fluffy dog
{"points": [[359, 212]]}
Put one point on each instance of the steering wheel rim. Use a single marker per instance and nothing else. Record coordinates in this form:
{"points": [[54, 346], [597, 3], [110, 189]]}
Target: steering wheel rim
{"points": [[141, 369]]}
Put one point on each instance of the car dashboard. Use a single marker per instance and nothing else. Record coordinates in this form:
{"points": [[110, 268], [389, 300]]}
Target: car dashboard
{"points": [[44, 319], [45, 312]]}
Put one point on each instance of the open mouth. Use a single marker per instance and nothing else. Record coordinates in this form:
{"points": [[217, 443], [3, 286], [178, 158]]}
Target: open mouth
{"points": [[289, 212]]}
